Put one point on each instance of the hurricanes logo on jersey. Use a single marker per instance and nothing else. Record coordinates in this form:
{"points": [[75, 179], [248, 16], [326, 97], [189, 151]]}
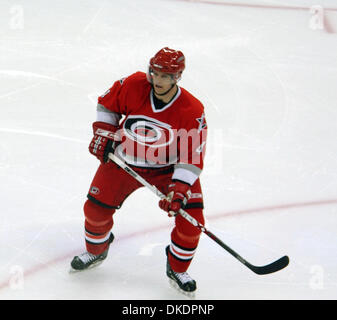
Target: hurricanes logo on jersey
{"points": [[148, 131]]}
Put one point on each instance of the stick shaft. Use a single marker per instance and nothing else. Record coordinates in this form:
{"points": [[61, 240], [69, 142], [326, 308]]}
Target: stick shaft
{"points": [[273, 267]]}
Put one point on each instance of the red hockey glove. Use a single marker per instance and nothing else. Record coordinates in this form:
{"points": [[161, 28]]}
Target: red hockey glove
{"points": [[103, 141], [177, 196]]}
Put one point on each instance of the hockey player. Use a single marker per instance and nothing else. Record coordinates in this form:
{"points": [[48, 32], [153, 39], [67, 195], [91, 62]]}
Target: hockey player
{"points": [[159, 129]]}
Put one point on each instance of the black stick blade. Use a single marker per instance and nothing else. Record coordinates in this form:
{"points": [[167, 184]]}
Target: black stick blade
{"points": [[272, 267]]}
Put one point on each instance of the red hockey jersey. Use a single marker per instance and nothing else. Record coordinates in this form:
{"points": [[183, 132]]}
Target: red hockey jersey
{"points": [[156, 137]]}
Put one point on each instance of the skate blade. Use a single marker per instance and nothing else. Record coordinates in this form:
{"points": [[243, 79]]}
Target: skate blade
{"points": [[175, 286], [92, 266]]}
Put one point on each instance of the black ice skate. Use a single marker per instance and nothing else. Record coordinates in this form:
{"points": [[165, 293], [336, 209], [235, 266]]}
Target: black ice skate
{"points": [[88, 260], [182, 279]]}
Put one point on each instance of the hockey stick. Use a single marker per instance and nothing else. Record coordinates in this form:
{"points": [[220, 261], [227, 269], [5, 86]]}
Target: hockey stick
{"points": [[266, 269]]}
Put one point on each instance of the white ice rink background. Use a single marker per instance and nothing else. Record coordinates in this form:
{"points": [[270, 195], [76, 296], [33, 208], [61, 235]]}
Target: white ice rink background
{"points": [[267, 75]]}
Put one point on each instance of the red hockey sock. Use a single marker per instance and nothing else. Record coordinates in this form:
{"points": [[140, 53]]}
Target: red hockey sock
{"points": [[184, 241], [98, 224]]}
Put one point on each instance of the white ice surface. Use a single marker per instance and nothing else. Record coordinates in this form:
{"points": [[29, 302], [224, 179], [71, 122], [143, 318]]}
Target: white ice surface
{"points": [[269, 85]]}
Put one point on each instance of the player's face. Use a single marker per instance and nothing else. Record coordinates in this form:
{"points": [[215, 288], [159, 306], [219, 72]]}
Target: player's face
{"points": [[162, 82]]}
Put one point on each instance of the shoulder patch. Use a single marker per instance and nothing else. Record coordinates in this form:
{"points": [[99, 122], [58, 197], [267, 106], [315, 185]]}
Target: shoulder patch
{"points": [[202, 122]]}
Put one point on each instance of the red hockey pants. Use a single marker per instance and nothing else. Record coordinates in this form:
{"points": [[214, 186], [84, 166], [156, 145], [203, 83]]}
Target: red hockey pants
{"points": [[112, 185]]}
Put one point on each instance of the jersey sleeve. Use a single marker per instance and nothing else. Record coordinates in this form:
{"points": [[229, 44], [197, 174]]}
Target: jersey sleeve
{"points": [[191, 148], [111, 104]]}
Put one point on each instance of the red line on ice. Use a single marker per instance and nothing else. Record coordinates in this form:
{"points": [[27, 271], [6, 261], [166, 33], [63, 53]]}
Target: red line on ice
{"points": [[256, 6], [43, 266]]}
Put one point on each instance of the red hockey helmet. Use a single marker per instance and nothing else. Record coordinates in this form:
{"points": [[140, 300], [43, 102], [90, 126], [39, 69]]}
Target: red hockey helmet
{"points": [[168, 61]]}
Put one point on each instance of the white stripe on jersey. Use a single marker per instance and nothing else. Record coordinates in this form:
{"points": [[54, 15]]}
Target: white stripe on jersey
{"points": [[185, 175], [108, 117]]}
